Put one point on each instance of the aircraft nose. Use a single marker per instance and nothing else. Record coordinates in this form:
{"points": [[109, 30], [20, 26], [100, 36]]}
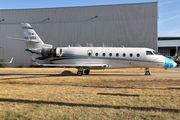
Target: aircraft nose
{"points": [[169, 63]]}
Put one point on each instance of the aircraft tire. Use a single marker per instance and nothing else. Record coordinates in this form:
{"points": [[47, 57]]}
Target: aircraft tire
{"points": [[80, 73], [86, 72], [147, 73]]}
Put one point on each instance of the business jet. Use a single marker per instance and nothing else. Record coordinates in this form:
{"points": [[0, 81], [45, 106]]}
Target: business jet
{"points": [[85, 59]]}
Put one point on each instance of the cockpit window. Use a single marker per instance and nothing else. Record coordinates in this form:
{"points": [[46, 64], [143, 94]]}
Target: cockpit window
{"points": [[149, 53], [156, 53]]}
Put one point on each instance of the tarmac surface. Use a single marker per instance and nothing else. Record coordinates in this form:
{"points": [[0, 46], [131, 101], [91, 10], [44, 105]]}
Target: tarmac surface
{"points": [[68, 73]]}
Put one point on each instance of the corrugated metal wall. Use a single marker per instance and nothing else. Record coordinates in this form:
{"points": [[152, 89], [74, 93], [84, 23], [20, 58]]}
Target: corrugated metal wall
{"points": [[166, 51], [133, 25]]}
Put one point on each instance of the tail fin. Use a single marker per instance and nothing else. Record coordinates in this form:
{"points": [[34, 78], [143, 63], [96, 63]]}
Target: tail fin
{"points": [[32, 38]]}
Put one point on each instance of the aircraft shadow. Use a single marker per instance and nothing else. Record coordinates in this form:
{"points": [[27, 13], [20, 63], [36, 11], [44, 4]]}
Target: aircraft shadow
{"points": [[119, 94], [88, 105], [33, 75], [174, 88], [131, 95], [63, 74], [29, 75], [115, 74], [91, 86]]}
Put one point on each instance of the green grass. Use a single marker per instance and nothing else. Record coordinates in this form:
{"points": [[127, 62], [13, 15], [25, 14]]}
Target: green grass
{"points": [[89, 98]]}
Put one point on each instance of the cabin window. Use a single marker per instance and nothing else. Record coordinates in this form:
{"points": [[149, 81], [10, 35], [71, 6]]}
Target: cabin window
{"points": [[156, 53], [104, 54], [138, 55], [130, 54], [110, 54], [149, 53], [117, 54], [96, 54], [124, 55]]}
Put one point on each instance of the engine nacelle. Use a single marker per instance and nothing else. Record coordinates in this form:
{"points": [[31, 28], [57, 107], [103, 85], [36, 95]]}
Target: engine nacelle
{"points": [[52, 52]]}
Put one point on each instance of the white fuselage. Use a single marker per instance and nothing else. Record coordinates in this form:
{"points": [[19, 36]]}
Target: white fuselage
{"points": [[114, 57]]}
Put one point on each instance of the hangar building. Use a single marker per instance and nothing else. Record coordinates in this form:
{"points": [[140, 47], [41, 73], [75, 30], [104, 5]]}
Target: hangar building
{"points": [[130, 25], [168, 46]]}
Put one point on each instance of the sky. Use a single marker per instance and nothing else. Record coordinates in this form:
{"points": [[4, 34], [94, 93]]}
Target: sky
{"points": [[168, 10]]}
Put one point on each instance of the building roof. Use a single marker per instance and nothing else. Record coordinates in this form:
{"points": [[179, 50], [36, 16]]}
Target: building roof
{"points": [[168, 38], [86, 6]]}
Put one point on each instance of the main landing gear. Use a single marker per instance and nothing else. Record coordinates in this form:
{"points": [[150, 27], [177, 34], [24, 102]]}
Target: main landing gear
{"points": [[81, 71], [147, 71]]}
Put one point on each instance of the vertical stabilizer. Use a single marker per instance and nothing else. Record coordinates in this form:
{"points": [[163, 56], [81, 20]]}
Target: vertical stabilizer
{"points": [[33, 40]]}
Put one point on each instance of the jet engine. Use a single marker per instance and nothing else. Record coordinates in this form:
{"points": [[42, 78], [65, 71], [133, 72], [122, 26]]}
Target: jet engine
{"points": [[52, 52]]}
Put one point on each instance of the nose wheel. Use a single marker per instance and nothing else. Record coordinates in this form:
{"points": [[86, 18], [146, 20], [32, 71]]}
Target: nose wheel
{"points": [[147, 71]]}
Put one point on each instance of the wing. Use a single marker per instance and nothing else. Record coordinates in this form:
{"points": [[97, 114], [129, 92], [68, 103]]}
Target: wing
{"points": [[90, 65]]}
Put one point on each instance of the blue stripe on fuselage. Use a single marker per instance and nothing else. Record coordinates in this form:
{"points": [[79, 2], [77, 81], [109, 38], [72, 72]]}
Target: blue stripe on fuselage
{"points": [[27, 50]]}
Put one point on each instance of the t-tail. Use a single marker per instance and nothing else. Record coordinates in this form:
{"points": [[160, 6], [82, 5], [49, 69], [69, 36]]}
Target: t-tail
{"points": [[35, 46], [32, 38]]}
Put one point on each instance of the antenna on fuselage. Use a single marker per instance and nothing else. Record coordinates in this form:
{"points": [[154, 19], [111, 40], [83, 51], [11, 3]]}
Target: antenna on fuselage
{"points": [[78, 45], [122, 46]]}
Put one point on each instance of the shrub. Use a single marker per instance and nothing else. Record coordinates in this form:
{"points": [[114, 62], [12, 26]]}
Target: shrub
{"points": [[21, 66], [2, 64]]}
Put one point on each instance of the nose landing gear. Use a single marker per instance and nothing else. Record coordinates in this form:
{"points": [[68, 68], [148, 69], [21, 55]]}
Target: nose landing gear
{"points": [[147, 71]]}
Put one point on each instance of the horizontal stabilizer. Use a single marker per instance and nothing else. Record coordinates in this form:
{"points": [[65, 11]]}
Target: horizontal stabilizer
{"points": [[27, 40]]}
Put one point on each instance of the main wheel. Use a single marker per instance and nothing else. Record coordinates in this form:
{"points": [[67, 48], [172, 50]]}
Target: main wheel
{"points": [[80, 73], [86, 72]]}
